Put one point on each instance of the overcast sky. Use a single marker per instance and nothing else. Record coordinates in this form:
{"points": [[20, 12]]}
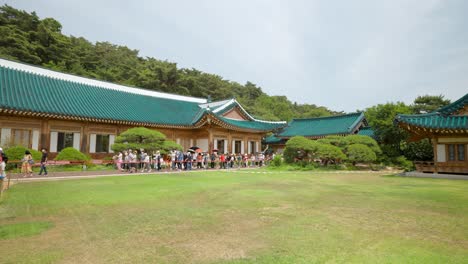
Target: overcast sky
{"points": [[344, 55]]}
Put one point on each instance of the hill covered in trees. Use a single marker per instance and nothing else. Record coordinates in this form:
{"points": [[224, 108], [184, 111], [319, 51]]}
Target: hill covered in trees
{"points": [[27, 38]]}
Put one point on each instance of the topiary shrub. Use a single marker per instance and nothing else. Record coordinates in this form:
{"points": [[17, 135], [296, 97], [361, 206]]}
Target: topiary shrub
{"points": [[72, 154], [330, 154], [360, 153], [17, 153]]}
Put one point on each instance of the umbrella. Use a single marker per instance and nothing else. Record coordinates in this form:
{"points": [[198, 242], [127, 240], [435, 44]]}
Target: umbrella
{"points": [[191, 150], [196, 149]]}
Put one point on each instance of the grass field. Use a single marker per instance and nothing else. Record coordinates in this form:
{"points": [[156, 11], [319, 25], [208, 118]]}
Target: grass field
{"points": [[237, 217]]}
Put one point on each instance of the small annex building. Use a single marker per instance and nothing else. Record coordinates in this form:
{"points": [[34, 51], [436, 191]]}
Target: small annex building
{"points": [[315, 128], [44, 108], [447, 128]]}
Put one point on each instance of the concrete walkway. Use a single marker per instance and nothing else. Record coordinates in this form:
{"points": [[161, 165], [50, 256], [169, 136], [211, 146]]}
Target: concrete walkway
{"points": [[70, 175], [52, 176], [434, 175]]}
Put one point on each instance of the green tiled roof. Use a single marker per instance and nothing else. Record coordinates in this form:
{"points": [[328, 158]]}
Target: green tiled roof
{"points": [[31, 90], [255, 125], [26, 91], [322, 126], [435, 120], [272, 139], [366, 131], [442, 118], [453, 107]]}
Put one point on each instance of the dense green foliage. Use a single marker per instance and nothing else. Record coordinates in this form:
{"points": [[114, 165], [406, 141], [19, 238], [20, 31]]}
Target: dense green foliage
{"points": [[428, 103], [71, 154], [16, 153], [360, 153], [332, 150], [27, 38], [393, 140], [419, 150], [144, 138]]}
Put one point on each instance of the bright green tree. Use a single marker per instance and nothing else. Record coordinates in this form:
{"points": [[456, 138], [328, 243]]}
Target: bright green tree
{"points": [[297, 148], [365, 140], [143, 138], [428, 103], [72, 154], [330, 154], [360, 153]]}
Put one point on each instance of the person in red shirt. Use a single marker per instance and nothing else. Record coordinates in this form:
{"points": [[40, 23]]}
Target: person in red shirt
{"points": [[222, 160]]}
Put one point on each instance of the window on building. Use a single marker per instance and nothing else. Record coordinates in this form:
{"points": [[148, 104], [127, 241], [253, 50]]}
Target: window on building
{"points": [[456, 152], [102, 143], [461, 152], [21, 137], [252, 147], [64, 140], [220, 145], [237, 146], [451, 152]]}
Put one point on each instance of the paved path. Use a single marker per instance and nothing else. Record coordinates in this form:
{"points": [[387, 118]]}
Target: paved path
{"points": [[434, 175], [15, 178]]}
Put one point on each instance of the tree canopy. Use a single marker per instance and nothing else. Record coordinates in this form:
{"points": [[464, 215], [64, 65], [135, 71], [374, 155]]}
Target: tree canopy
{"points": [[143, 138], [29, 39]]}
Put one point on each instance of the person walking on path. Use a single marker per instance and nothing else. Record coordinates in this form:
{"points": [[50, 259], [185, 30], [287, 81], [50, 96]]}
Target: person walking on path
{"points": [[119, 161], [43, 162], [3, 177], [26, 165]]}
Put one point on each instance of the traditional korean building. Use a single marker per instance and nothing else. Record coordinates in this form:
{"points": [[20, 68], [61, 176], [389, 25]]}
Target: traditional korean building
{"points": [[315, 128], [44, 108], [448, 130]]}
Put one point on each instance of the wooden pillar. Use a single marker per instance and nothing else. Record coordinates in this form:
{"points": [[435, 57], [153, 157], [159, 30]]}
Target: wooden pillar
{"points": [[84, 137], [210, 140], [229, 142], [45, 134], [434, 143]]}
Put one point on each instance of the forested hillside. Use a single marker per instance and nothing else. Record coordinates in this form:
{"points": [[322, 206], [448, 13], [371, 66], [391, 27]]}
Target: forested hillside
{"points": [[27, 38]]}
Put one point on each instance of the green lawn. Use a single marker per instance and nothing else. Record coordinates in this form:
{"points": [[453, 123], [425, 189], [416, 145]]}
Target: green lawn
{"points": [[237, 217]]}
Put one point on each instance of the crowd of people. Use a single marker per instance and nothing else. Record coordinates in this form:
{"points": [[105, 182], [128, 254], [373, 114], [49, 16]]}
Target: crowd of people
{"points": [[142, 161]]}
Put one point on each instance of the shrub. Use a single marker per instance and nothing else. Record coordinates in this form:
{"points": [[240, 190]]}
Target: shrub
{"points": [[329, 153], [420, 150], [360, 153], [403, 163], [338, 141], [17, 153], [297, 148], [365, 140], [277, 161], [144, 138], [72, 154]]}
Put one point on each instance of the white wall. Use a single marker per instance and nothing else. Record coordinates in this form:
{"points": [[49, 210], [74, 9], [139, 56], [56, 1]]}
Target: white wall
{"points": [[203, 144], [5, 136], [35, 139], [111, 142], [76, 141], [92, 143], [53, 141], [441, 153]]}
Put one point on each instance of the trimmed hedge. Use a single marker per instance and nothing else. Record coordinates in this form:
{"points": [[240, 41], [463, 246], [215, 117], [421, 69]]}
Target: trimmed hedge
{"points": [[72, 154], [17, 153]]}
